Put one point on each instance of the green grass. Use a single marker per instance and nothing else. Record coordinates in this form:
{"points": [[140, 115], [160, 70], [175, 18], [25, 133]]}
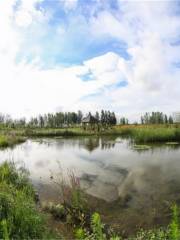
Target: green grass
{"points": [[71, 132], [68, 132], [10, 140], [150, 133], [145, 135], [19, 217], [139, 133]]}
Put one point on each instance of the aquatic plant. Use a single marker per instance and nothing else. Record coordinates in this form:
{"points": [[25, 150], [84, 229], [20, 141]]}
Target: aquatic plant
{"points": [[141, 147], [139, 133], [145, 135], [150, 133], [172, 143]]}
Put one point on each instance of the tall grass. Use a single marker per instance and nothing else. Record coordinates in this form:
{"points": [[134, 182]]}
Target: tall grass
{"points": [[150, 133], [19, 218], [50, 132], [174, 227], [145, 135], [10, 140], [140, 134]]}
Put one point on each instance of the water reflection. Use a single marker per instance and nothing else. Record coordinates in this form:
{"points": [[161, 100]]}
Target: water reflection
{"points": [[126, 181], [107, 143], [89, 144]]}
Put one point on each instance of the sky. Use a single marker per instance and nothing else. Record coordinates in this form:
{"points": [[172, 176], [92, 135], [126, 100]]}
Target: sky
{"points": [[66, 55]]}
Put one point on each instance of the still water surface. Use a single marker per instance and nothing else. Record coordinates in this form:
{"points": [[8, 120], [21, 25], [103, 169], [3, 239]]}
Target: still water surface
{"points": [[130, 188]]}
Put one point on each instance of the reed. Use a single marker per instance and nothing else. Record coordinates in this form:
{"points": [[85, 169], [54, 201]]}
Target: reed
{"points": [[152, 135], [10, 140]]}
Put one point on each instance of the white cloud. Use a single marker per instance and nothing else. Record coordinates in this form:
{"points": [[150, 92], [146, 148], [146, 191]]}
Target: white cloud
{"points": [[23, 18], [148, 29], [30, 90], [107, 62], [27, 13], [70, 4]]}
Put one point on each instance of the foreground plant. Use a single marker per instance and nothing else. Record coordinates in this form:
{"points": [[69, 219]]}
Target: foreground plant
{"points": [[96, 231], [19, 218], [174, 227], [73, 210]]}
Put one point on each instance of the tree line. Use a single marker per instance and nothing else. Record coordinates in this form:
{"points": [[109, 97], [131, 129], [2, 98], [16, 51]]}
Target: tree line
{"points": [[106, 117], [156, 118], [66, 119], [124, 121], [57, 120]]}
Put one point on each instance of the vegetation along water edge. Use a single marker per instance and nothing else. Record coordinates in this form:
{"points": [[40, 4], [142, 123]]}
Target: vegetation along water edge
{"points": [[23, 217]]}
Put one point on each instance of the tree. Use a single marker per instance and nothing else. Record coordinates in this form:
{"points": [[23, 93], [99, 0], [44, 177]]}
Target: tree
{"points": [[102, 117], [41, 121], [97, 116], [170, 120], [123, 120], [155, 118], [165, 119], [79, 117], [113, 119]]}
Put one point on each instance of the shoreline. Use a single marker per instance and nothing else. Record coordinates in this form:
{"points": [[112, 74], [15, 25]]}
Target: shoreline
{"points": [[138, 134]]}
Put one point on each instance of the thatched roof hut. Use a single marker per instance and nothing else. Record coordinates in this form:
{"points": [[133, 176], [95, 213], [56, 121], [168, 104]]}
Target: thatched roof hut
{"points": [[89, 119]]}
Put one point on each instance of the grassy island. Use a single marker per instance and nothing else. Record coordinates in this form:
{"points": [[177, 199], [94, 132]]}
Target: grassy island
{"points": [[138, 133]]}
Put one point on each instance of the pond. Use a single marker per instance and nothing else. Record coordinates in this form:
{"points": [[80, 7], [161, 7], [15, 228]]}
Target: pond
{"points": [[130, 188]]}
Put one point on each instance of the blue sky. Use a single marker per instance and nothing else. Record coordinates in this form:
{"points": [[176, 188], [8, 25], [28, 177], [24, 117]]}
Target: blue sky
{"points": [[90, 54], [67, 39]]}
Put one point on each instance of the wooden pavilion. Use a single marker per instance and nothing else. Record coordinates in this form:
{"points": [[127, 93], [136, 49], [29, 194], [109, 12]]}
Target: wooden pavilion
{"points": [[89, 122]]}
